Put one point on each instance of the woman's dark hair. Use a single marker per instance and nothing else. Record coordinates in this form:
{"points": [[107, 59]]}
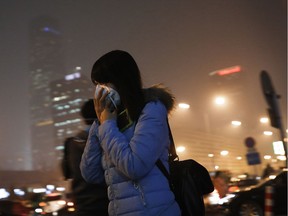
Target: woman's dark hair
{"points": [[88, 112], [119, 68]]}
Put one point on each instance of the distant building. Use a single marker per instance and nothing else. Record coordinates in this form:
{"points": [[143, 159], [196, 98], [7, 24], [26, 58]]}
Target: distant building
{"points": [[55, 95], [68, 95], [45, 65]]}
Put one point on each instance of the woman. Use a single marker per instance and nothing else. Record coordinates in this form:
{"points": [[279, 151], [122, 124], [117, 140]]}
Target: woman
{"points": [[122, 149]]}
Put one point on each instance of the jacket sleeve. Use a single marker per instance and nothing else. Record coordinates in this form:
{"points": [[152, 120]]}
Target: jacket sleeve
{"points": [[135, 158], [91, 168]]}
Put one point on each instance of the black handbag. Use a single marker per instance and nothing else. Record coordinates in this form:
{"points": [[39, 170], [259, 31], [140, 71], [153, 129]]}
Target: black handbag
{"points": [[189, 181]]}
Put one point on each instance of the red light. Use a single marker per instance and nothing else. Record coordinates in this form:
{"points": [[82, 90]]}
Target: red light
{"points": [[226, 71], [233, 189], [230, 70]]}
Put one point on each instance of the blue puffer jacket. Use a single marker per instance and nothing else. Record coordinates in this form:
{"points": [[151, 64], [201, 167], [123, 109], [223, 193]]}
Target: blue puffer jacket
{"points": [[126, 160]]}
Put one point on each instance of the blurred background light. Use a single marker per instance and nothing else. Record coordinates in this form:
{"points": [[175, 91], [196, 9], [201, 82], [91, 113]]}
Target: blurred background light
{"points": [[224, 153], [180, 149], [268, 133], [220, 100], [267, 157], [183, 105], [4, 193], [278, 148], [236, 123], [264, 120]]}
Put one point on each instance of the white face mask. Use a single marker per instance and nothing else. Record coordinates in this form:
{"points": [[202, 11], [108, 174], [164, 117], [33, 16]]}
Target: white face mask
{"points": [[113, 95]]}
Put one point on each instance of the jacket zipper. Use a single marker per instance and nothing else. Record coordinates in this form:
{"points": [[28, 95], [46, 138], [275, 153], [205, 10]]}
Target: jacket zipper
{"points": [[138, 187]]}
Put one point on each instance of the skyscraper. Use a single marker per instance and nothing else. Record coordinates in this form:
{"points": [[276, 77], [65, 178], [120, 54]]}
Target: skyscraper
{"points": [[45, 65], [68, 95]]}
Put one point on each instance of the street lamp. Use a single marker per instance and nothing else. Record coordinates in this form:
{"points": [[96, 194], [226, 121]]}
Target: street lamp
{"points": [[180, 149], [220, 100], [264, 120], [224, 153], [267, 157], [236, 123], [268, 133], [183, 105]]}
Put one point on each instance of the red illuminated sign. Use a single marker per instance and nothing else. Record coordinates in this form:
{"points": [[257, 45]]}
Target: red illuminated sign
{"points": [[226, 71]]}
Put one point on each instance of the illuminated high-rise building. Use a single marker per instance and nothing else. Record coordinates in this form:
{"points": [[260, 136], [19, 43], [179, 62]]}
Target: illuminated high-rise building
{"points": [[68, 95], [45, 65]]}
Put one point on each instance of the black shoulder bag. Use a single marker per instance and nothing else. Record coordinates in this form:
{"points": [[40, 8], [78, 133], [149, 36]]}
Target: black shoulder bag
{"points": [[189, 181]]}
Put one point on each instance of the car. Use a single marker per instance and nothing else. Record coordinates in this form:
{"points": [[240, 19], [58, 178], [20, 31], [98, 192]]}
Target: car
{"points": [[242, 184], [251, 200]]}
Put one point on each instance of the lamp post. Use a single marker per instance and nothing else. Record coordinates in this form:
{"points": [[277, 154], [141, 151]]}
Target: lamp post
{"points": [[272, 100]]}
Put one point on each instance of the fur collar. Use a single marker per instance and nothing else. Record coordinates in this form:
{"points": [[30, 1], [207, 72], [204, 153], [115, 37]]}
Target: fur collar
{"points": [[160, 92]]}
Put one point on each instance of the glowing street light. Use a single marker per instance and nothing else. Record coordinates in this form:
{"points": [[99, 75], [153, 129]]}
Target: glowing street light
{"points": [[180, 149], [267, 157], [268, 133], [220, 100], [224, 153], [183, 105], [236, 123], [264, 120]]}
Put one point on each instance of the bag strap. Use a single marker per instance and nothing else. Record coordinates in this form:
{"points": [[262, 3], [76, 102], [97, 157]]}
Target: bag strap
{"points": [[172, 150], [172, 156], [163, 169]]}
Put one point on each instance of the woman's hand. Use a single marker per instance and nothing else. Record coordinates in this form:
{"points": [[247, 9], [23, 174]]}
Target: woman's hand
{"points": [[102, 108]]}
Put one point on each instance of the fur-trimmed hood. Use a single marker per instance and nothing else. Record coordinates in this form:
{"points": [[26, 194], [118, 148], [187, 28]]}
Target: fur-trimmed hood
{"points": [[162, 93]]}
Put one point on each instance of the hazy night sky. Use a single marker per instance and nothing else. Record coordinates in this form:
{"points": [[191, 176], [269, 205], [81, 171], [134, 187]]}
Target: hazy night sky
{"points": [[177, 43]]}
